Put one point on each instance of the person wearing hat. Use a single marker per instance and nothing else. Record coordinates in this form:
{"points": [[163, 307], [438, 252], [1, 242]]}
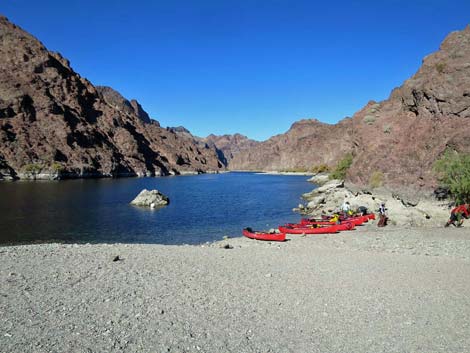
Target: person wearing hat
{"points": [[382, 216]]}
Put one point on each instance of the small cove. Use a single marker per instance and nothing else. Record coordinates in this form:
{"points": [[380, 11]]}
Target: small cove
{"points": [[203, 208]]}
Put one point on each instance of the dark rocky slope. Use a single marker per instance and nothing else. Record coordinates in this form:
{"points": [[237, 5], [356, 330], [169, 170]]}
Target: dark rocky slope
{"points": [[400, 137], [55, 123]]}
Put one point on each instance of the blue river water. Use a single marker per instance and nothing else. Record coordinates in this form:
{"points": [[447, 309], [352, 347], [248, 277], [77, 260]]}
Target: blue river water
{"points": [[202, 208]]}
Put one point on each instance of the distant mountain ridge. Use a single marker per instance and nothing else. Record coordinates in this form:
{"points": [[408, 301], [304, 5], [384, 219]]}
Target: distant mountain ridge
{"points": [[230, 145], [400, 137], [54, 123]]}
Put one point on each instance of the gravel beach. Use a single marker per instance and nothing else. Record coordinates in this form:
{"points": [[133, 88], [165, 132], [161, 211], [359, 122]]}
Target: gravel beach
{"points": [[368, 290]]}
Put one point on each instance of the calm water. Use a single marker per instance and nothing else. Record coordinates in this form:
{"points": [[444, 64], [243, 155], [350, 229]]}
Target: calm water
{"points": [[202, 208]]}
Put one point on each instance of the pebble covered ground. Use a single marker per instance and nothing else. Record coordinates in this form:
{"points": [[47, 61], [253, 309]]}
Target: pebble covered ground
{"points": [[368, 290]]}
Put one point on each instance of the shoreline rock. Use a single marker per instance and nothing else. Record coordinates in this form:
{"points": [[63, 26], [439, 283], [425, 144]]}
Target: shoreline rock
{"points": [[150, 198], [319, 179], [416, 211]]}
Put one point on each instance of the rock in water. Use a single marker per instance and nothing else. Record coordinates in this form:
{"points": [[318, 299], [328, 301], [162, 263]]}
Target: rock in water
{"points": [[150, 198]]}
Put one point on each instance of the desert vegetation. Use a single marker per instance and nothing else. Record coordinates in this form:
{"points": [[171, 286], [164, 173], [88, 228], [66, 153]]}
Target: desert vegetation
{"points": [[453, 171], [342, 167]]}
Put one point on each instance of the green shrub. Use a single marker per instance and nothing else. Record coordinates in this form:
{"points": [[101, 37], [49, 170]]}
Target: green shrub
{"points": [[295, 170], [57, 167], [387, 129], [453, 170], [376, 179], [32, 168], [374, 108], [369, 119], [440, 67], [342, 167], [321, 168]]}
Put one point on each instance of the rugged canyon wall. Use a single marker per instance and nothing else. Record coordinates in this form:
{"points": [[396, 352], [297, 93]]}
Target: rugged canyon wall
{"points": [[55, 123], [400, 137], [230, 145], [308, 143], [404, 135]]}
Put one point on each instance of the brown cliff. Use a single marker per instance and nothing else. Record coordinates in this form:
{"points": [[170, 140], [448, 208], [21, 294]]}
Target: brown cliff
{"points": [[54, 122], [307, 143], [230, 145], [400, 137], [404, 135]]}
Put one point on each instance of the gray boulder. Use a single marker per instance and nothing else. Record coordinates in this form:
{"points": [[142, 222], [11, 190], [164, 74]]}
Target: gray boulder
{"points": [[319, 179], [150, 198]]}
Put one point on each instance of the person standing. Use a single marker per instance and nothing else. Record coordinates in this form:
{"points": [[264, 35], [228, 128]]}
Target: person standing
{"points": [[458, 214], [346, 208], [382, 216]]}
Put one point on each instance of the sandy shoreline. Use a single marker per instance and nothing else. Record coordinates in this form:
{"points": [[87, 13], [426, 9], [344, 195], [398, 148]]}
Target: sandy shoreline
{"points": [[371, 290]]}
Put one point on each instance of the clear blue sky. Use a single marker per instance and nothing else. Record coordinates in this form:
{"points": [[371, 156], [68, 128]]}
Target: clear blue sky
{"points": [[248, 66]]}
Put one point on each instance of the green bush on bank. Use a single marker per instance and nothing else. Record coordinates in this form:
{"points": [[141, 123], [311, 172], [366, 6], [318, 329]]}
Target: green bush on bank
{"points": [[57, 167], [321, 168], [295, 170], [453, 171], [342, 167], [32, 168]]}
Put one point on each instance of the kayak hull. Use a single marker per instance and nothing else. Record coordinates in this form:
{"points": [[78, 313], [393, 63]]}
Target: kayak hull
{"points": [[321, 230], [339, 227], [263, 235]]}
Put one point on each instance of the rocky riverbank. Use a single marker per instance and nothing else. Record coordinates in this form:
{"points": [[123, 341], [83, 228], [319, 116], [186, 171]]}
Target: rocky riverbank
{"points": [[368, 290], [404, 209]]}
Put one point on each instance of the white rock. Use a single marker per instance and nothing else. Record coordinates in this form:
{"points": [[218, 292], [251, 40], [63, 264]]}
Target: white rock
{"points": [[319, 179], [331, 185], [152, 198]]}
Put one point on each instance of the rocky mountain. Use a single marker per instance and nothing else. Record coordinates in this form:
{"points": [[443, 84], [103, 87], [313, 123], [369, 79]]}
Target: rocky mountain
{"points": [[53, 122], [308, 142], [114, 99], [399, 138], [230, 145]]}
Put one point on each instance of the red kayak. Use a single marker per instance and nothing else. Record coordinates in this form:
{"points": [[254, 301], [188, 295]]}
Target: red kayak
{"points": [[339, 227], [249, 233], [321, 230], [309, 222], [355, 220]]}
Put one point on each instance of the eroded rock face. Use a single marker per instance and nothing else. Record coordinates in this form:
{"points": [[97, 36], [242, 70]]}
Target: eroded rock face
{"points": [[307, 143], [400, 137], [6, 173], [114, 99], [428, 114], [230, 145], [54, 122], [150, 198]]}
